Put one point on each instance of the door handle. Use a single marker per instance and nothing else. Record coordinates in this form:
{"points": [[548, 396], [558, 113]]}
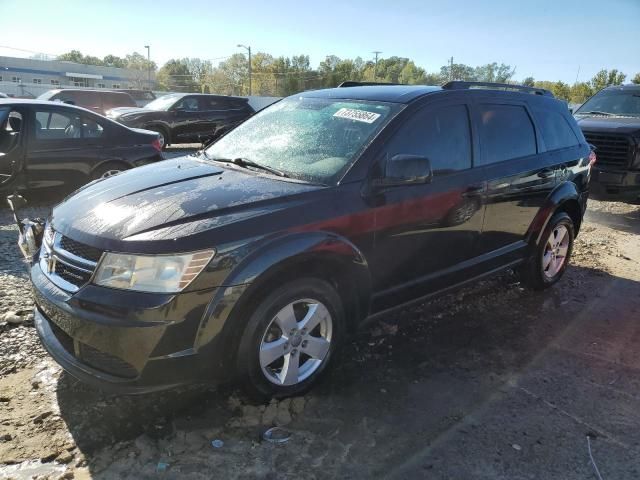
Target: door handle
{"points": [[546, 173]]}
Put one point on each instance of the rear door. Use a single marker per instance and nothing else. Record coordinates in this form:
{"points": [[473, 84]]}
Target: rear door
{"points": [[64, 147], [423, 230], [519, 175]]}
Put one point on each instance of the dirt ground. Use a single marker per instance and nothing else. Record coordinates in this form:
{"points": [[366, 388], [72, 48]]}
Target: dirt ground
{"points": [[493, 381]]}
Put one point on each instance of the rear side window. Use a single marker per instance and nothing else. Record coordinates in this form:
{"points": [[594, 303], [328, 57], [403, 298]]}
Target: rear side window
{"points": [[211, 103], [506, 132], [441, 134], [555, 129], [51, 125]]}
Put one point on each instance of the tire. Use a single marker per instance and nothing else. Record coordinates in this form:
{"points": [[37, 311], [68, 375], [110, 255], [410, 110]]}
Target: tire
{"points": [[552, 255], [275, 336], [163, 133], [108, 169]]}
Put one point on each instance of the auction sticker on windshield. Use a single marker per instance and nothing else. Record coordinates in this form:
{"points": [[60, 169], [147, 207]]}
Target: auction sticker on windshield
{"points": [[358, 115]]}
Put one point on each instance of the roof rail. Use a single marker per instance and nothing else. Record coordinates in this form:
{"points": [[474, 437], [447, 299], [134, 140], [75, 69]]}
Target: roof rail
{"points": [[462, 85], [351, 83]]}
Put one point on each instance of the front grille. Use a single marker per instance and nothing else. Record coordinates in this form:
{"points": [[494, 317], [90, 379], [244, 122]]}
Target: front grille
{"points": [[67, 263], [80, 250], [71, 274], [106, 363], [611, 149]]}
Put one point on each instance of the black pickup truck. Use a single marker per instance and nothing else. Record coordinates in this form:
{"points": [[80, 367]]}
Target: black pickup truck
{"points": [[610, 120]]}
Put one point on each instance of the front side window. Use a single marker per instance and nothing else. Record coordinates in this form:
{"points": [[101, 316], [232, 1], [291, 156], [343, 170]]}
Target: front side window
{"points": [[556, 131], [506, 133], [441, 134], [163, 103], [189, 104], [312, 139], [624, 103]]}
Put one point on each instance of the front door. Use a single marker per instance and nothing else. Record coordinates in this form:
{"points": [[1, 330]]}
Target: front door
{"points": [[422, 231]]}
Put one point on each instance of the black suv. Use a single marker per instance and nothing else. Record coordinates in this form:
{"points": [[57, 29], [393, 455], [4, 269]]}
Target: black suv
{"points": [[610, 120], [255, 257], [186, 117]]}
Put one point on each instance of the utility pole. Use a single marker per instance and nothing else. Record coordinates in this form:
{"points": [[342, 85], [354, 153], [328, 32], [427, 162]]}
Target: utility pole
{"points": [[248, 49], [375, 67], [148, 65], [451, 70], [577, 74]]}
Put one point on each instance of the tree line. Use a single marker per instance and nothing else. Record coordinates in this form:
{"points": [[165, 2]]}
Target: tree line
{"points": [[282, 76]]}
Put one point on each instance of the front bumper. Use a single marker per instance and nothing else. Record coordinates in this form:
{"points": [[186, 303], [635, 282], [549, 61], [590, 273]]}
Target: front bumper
{"points": [[124, 342], [615, 184]]}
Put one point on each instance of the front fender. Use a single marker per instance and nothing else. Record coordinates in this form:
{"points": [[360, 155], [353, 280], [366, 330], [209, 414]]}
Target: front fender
{"points": [[226, 314], [564, 192]]}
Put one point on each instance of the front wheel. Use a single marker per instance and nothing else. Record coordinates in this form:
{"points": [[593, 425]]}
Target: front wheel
{"points": [[551, 256], [290, 339]]}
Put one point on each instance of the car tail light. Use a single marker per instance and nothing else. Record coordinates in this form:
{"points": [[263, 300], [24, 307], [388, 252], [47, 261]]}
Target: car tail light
{"points": [[157, 144]]}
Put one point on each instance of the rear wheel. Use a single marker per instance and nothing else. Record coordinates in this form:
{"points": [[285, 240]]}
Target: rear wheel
{"points": [[108, 170], [552, 255], [290, 339]]}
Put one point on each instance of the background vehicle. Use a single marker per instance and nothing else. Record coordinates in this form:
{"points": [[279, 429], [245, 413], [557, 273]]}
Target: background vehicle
{"points": [[3, 95], [186, 117], [610, 120], [141, 97], [55, 145], [252, 259], [98, 101]]}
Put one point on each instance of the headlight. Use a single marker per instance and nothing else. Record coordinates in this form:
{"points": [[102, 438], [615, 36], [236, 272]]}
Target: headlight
{"points": [[151, 273]]}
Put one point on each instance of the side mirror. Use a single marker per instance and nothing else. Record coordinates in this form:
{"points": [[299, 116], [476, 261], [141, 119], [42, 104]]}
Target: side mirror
{"points": [[403, 169], [571, 110]]}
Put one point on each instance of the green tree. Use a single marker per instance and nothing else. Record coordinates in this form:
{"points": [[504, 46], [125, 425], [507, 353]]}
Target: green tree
{"points": [[636, 79], [605, 78], [175, 76], [72, 56], [529, 82], [458, 71], [559, 89], [114, 61], [492, 72], [580, 92]]}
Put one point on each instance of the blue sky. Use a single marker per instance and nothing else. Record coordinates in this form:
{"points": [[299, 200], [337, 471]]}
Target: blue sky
{"points": [[547, 39]]}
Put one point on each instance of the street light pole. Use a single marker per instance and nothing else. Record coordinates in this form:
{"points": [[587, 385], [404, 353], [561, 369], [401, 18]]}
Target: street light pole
{"points": [[375, 67], [249, 51], [148, 65]]}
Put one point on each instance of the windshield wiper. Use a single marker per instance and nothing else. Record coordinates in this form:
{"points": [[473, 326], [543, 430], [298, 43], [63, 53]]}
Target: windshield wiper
{"points": [[245, 162], [596, 112]]}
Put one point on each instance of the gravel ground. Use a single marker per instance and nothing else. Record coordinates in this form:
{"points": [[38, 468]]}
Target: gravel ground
{"points": [[492, 381]]}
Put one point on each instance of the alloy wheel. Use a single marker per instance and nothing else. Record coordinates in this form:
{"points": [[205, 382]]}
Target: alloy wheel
{"points": [[555, 252], [296, 342], [110, 173]]}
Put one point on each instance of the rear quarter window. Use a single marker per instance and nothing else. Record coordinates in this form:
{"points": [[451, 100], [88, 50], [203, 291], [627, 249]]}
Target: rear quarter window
{"points": [[506, 132], [555, 129]]}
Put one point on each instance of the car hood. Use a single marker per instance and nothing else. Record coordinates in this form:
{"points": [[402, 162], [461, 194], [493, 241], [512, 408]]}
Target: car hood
{"points": [[168, 200], [121, 111], [611, 124]]}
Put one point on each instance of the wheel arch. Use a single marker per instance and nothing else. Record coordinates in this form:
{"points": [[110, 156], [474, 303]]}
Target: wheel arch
{"points": [[319, 255], [159, 125], [110, 161], [565, 198]]}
